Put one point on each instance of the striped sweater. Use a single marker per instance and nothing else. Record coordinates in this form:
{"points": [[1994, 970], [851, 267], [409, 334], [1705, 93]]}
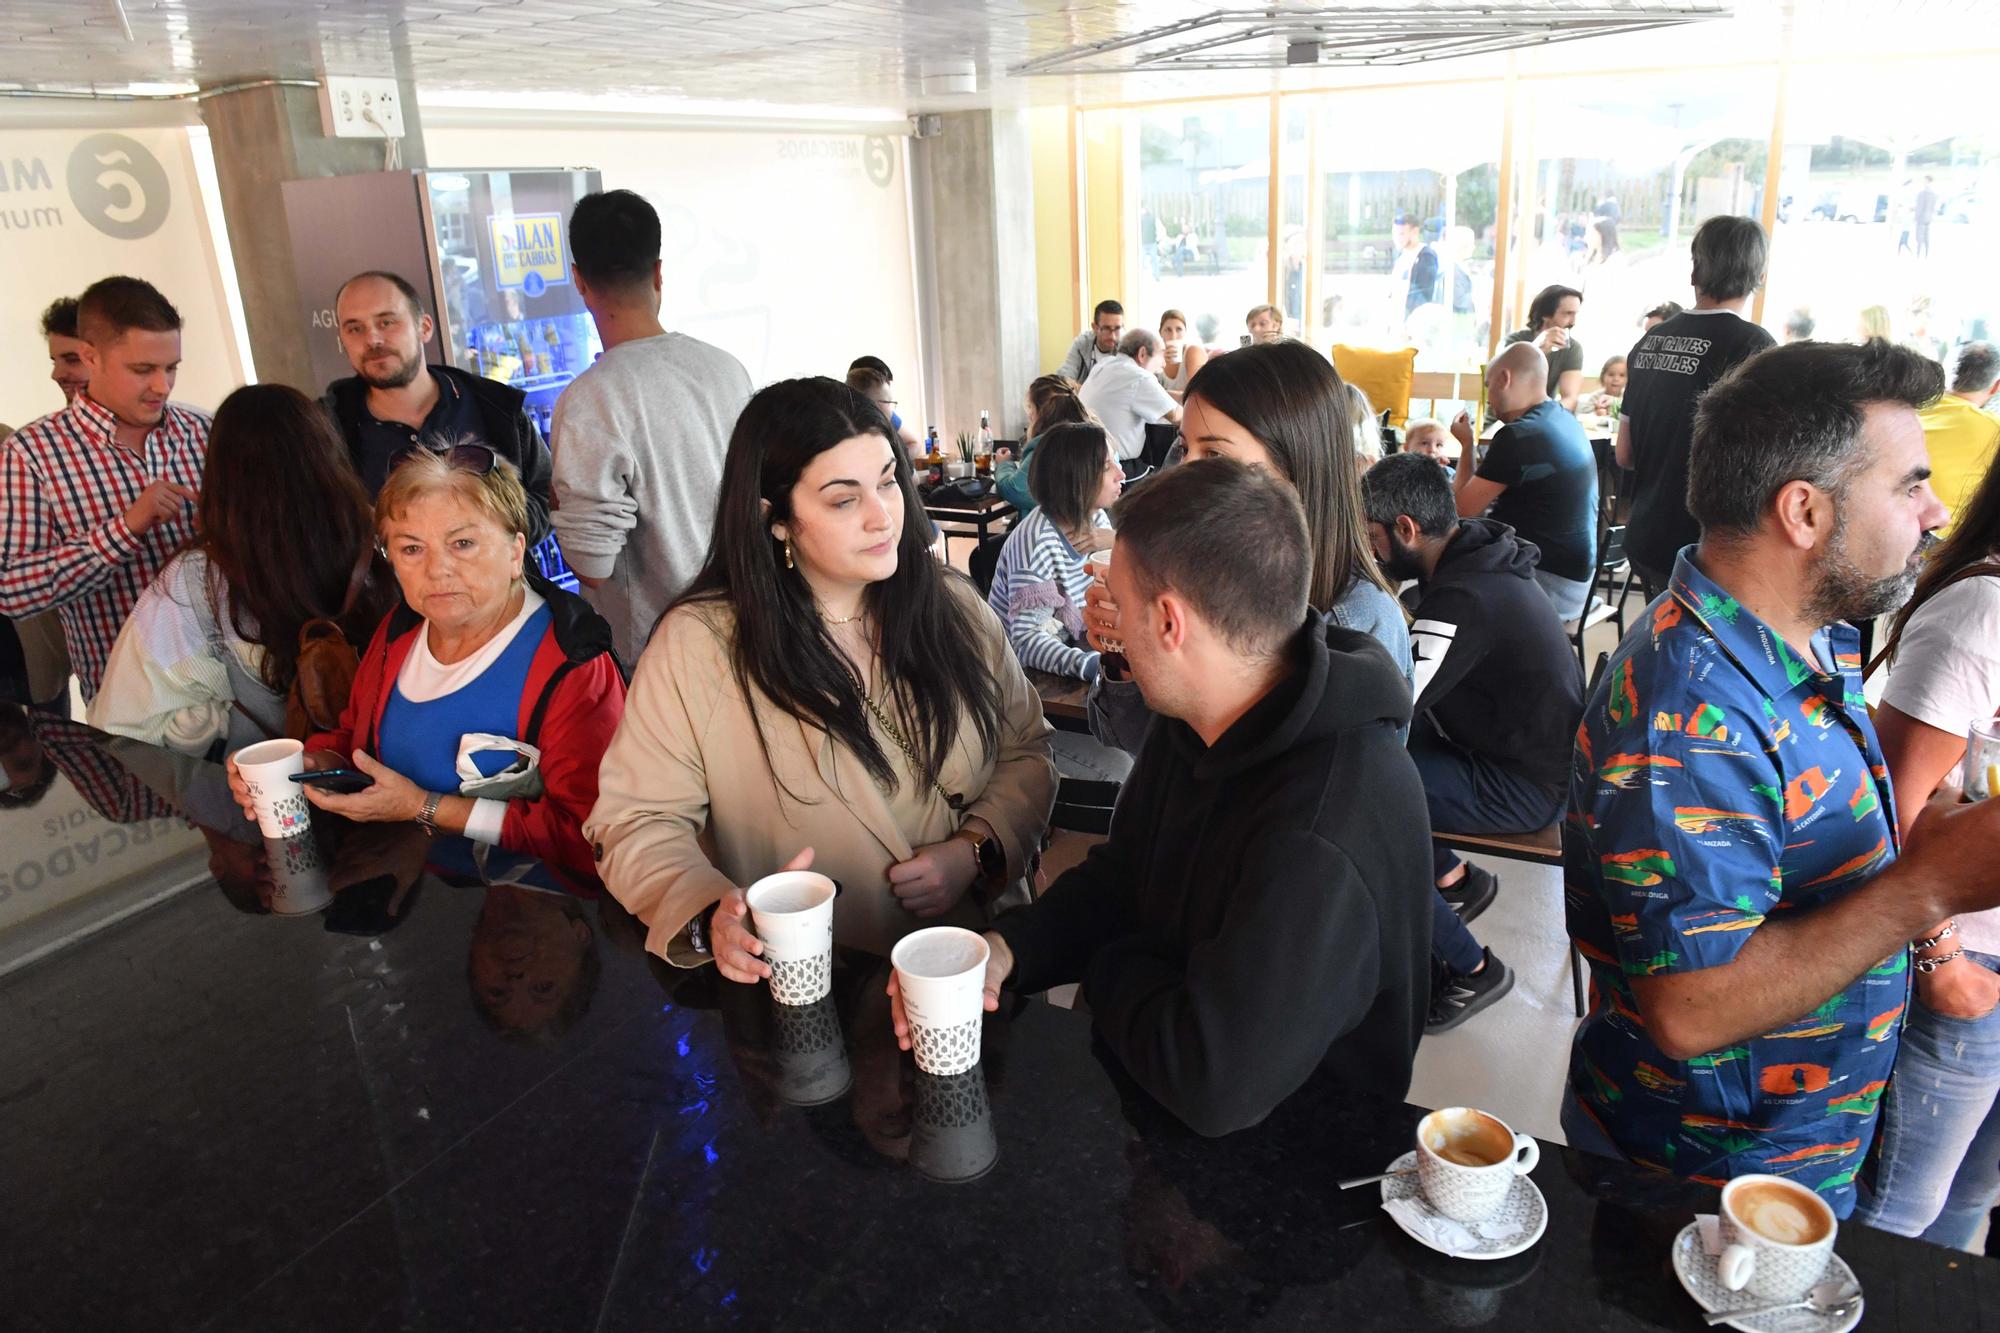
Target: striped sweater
{"points": [[1038, 588]]}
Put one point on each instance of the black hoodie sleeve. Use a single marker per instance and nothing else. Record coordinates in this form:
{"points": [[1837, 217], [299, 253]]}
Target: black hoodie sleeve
{"points": [[1223, 1039], [1053, 938], [537, 476], [1449, 638]]}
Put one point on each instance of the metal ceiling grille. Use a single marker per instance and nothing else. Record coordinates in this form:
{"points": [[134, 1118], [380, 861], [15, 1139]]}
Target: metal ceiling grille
{"points": [[1277, 39]]}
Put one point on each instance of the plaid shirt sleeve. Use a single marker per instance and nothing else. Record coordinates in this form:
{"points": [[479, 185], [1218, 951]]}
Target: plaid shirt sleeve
{"points": [[38, 571]]}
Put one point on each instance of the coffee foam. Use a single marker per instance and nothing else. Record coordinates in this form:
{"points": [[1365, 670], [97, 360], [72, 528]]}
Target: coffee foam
{"points": [[945, 956], [1779, 1213], [1467, 1137]]}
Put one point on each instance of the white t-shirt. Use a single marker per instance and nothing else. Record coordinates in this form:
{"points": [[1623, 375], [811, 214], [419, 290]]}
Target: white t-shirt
{"points": [[1947, 675], [1125, 398]]}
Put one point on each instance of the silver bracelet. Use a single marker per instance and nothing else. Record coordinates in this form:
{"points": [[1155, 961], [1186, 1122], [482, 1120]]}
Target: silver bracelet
{"points": [[1929, 965], [428, 815], [1950, 929]]}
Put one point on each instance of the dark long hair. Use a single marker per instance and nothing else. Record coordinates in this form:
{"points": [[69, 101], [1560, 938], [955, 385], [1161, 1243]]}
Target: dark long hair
{"points": [[926, 634], [1295, 403], [283, 519], [1975, 537], [1066, 471]]}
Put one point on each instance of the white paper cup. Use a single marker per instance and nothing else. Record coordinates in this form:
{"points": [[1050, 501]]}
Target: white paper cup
{"points": [[793, 914], [267, 768], [1771, 1269], [298, 875], [1470, 1191], [1099, 565], [941, 974]]}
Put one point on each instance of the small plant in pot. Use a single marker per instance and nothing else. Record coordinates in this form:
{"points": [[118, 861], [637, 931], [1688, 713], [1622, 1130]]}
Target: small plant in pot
{"points": [[962, 465]]}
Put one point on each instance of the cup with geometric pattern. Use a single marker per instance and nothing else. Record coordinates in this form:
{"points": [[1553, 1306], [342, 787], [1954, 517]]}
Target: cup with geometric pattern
{"points": [[793, 914], [267, 768], [1776, 1237], [941, 975], [1467, 1160]]}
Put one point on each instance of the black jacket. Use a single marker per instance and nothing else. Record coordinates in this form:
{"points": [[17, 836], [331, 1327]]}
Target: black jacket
{"points": [[1494, 669], [1261, 911], [506, 430]]}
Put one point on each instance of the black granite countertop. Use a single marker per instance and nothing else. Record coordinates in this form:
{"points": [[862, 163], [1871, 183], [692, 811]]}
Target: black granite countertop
{"points": [[502, 1114]]}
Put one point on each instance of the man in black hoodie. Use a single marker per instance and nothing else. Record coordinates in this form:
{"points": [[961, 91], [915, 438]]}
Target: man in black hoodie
{"points": [[1258, 916], [1498, 699], [394, 402]]}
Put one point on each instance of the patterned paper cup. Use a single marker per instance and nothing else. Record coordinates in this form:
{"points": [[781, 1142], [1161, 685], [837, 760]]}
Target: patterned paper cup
{"points": [[267, 768], [793, 914], [941, 974], [298, 876]]}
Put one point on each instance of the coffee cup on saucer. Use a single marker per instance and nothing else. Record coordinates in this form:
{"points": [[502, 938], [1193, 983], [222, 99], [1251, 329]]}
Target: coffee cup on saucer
{"points": [[1776, 1236], [1467, 1160]]}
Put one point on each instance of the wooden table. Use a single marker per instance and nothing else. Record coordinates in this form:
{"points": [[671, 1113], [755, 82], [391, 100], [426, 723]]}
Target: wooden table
{"points": [[1063, 700], [994, 509]]}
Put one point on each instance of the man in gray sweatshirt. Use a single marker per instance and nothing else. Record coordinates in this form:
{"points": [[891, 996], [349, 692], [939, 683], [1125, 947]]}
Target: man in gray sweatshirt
{"points": [[639, 437]]}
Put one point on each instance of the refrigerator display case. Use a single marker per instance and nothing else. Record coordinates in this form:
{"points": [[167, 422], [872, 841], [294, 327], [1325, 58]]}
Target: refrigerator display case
{"points": [[488, 253]]}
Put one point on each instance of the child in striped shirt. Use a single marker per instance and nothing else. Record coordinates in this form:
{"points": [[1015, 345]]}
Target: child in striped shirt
{"points": [[1039, 582]]}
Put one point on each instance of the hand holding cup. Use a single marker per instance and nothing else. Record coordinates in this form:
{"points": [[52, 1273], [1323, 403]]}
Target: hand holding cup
{"points": [[733, 942]]}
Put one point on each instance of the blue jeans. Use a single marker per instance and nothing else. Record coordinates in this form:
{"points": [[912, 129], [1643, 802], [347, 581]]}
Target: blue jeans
{"points": [[1939, 1170], [1468, 793]]}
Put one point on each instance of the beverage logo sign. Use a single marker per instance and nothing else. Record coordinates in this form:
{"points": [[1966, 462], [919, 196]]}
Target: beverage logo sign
{"points": [[117, 186], [528, 251]]}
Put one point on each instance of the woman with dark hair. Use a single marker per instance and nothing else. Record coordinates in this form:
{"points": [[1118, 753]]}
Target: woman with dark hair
{"points": [[285, 535], [1939, 1171], [824, 694], [1039, 582], [1052, 402], [1283, 407]]}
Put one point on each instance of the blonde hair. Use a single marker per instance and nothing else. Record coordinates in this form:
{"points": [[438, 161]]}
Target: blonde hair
{"points": [[1367, 430], [422, 472], [1875, 322], [1270, 310], [1415, 424]]}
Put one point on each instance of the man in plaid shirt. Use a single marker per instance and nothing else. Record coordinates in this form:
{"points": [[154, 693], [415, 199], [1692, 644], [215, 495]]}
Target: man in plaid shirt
{"points": [[95, 499]]}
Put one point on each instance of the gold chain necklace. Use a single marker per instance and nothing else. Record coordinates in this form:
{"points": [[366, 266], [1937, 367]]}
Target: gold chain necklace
{"points": [[895, 733]]}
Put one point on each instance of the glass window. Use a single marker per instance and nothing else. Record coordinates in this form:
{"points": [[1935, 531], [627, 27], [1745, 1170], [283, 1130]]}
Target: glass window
{"points": [[1408, 182], [1204, 211], [1888, 209], [1618, 172]]}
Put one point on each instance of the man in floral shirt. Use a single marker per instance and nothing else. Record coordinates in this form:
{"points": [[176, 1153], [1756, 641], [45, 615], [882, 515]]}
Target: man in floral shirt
{"points": [[1731, 850]]}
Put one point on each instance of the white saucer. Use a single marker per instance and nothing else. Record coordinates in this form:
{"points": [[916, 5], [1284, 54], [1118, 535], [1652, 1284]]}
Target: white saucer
{"points": [[1522, 1217], [1695, 1267]]}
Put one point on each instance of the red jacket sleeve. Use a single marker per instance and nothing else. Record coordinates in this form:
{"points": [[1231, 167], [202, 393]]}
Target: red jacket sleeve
{"points": [[582, 716]]}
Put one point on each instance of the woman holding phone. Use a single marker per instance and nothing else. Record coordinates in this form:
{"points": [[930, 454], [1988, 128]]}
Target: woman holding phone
{"points": [[825, 694], [483, 703]]}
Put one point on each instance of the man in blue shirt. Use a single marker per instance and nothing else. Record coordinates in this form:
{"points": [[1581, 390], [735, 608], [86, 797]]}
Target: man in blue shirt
{"points": [[1730, 853], [1539, 477]]}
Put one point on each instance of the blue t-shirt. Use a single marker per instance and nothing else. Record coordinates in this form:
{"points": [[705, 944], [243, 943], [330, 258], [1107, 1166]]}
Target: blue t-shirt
{"points": [[1718, 779], [420, 740], [1545, 462]]}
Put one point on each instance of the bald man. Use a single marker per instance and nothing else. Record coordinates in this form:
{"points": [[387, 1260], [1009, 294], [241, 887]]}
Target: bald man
{"points": [[1539, 476]]}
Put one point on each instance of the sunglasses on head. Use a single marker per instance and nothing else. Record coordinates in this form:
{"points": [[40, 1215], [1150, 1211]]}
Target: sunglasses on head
{"points": [[477, 459]]}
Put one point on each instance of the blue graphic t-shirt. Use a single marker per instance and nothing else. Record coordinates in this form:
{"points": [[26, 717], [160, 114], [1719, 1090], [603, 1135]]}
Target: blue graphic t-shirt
{"points": [[1718, 780]]}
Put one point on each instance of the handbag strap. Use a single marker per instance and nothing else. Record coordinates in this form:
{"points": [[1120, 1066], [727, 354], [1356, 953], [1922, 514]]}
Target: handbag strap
{"points": [[356, 581]]}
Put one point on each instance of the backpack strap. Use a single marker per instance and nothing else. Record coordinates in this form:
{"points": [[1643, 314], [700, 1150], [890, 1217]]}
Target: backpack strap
{"points": [[356, 580], [1979, 568], [541, 709]]}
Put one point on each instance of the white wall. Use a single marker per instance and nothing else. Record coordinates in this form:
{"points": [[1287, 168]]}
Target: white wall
{"points": [[790, 249], [79, 204]]}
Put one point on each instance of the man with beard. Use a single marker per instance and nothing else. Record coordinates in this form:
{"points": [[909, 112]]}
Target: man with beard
{"points": [[1731, 852], [1497, 700], [394, 402]]}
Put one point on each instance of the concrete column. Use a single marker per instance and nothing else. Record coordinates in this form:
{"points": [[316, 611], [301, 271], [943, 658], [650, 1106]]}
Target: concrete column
{"points": [[261, 138], [975, 229]]}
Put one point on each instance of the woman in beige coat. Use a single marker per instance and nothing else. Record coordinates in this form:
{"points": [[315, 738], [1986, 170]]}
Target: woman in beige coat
{"points": [[824, 694]]}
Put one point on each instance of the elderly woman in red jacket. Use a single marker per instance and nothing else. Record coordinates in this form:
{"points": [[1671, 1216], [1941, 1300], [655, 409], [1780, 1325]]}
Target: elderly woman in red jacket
{"points": [[485, 702]]}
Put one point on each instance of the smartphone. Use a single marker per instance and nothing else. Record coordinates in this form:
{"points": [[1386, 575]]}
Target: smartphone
{"points": [[345, 781]]}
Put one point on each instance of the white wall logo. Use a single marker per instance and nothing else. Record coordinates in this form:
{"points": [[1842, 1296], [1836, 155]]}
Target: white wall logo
{"points": [[117, 186]]}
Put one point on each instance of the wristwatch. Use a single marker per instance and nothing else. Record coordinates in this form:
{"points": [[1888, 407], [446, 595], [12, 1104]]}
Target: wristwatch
{"points": [[427, 817], [988, 854]]}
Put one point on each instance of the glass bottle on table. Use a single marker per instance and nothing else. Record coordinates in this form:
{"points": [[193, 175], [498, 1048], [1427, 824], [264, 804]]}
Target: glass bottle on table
{"points": [[982, 458]]}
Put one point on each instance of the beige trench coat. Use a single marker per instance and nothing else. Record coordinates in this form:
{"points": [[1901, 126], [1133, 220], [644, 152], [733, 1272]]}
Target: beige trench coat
{"points": [[687, 804]]}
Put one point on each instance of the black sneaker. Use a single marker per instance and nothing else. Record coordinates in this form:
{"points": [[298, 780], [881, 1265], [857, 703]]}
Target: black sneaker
{"points": [[1473, 893], [1464, 994]]}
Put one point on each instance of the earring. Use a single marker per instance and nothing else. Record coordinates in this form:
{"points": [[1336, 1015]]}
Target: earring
{"points": [[788, 554]]}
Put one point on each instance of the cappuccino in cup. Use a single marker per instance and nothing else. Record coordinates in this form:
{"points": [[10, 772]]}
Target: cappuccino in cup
{"points": [[1777, 1236]]}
